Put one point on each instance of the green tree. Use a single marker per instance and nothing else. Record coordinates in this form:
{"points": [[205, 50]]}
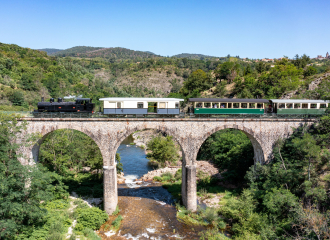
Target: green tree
{"points": [[22, 188], [227, 70], [68, 150], [229, 149], [197, 81], [163, 150], [310, 71]]}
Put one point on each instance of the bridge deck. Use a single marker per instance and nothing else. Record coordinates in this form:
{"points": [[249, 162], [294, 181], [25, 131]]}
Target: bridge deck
{"points": [[171, 119]]}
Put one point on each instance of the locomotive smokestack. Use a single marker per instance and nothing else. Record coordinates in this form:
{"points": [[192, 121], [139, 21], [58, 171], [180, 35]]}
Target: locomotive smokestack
{"points": [[42, 99]]}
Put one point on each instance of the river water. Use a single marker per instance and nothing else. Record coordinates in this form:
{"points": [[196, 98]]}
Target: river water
{"points": [[147, 208]]}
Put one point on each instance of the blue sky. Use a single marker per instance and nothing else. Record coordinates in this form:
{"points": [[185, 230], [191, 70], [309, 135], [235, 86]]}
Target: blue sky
{"points": [[254, 28]]}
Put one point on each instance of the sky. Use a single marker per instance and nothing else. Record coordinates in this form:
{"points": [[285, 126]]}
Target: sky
{"points": [[253, 28]]}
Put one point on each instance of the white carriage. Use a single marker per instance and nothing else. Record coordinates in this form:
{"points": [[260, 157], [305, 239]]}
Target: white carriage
{"points": [[141, 106]]}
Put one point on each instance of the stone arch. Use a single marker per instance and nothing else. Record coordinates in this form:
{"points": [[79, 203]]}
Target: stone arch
{"points": [[141, 127], [259, 152], [34, 153]]}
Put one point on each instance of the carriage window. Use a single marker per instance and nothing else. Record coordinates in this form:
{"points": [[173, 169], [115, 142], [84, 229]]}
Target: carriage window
{"points": [[207, 105], [223, 105], [322, 105], [252, 105], [260, 105], [304, 105], [176, 105], [297, 105], [118, 104], [199, 105], [140, 105], [313, 105], [243, 105], [162, 105], [229, 105], [289, 105], [281, 105], [235, 105], [215, 105]]}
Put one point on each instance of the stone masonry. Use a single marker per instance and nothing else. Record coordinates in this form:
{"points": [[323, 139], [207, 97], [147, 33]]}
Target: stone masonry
{"points": [[108, 133]]}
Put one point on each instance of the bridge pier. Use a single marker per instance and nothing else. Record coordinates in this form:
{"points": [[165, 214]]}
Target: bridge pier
{"points": [[110, 189]]}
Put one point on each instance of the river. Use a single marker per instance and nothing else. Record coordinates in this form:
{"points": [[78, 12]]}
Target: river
{"points": [[148, 209]]}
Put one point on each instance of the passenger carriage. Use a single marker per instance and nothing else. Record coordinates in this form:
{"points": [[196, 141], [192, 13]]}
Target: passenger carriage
{"points": [[229, 106], [299, 106], [141, 106]]}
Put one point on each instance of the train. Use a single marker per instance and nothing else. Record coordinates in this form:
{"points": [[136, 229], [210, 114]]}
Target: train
{"points": [[81, 105], [170, 107]]}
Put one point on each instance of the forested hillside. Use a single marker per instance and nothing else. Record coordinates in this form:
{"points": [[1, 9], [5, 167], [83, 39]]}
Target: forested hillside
{"points": [[50, 51], [193, 56], [26, 75], [111, 54]]}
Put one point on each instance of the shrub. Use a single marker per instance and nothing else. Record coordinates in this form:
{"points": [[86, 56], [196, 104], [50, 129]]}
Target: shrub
{"points": [[57, 204], [178, 174], [116, 223], [116, 211], [90, 234], [91, 218], [167, 174], [212, 234], [166, 179], [157, 178]]}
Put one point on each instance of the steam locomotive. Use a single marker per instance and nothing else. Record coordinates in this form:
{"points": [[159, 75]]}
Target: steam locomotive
{"points": [[84, 105]]}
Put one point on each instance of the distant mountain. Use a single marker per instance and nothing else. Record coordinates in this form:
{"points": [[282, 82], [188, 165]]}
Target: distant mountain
{"points": [[75, 51], [107, 53], [50, 51], [193, 56]]}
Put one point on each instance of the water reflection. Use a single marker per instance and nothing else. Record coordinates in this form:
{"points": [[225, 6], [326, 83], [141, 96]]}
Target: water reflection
{"points": [[134, 160]]}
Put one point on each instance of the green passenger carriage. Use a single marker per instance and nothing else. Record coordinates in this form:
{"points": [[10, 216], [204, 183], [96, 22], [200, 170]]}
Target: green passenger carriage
{"points": [[229, 106], [299, 106]]}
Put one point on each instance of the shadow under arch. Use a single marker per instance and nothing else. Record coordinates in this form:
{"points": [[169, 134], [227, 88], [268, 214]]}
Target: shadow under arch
{"points": [[35, 151], [259, 155]]}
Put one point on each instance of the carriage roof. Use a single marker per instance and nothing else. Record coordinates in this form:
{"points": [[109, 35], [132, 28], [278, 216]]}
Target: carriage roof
{"points": [[228, 100], [297, 101], [142, 99]]}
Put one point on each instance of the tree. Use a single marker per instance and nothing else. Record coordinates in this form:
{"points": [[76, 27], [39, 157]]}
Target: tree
{"points": [[22, 188], [197, 81], [163, 150], [229, 149], [228, 70], [308, 151], [220, 89], [67, 150], [310, 71]]}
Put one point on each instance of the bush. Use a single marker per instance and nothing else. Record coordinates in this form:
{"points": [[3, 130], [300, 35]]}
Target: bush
{"points": [[57, 204], [116, 223], [90, 234], [167, 174], [157, 178], [91, 218], [116, 211], [178, 174]]}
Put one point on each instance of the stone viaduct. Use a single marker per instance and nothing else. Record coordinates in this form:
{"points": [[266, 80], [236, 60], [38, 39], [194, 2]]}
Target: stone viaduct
{"points": [[108, 133]]}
